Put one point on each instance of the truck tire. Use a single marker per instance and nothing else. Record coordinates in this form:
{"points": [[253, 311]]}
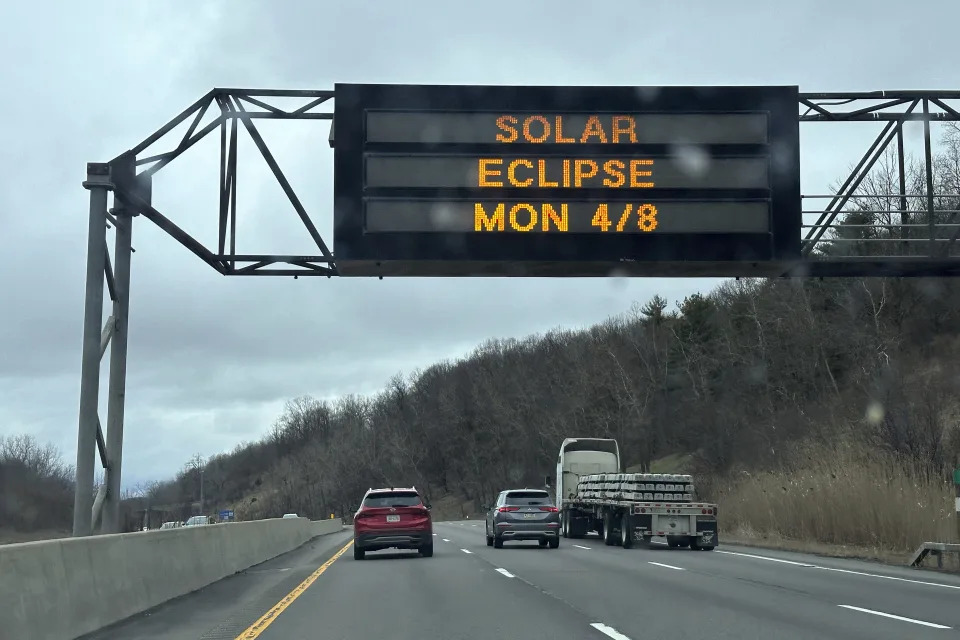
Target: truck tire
{"points": [[577, 527], [626, 533], [565, 524], [609, 538]]}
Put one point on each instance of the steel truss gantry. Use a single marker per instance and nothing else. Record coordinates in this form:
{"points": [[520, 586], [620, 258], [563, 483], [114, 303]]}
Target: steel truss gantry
{"points": [[904, 249]]}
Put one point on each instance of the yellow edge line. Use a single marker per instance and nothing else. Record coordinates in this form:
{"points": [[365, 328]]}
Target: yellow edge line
{"points": [[266, 619]]}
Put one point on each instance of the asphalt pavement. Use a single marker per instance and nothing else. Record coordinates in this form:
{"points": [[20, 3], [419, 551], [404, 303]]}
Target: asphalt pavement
{"points": [[583, 590]]}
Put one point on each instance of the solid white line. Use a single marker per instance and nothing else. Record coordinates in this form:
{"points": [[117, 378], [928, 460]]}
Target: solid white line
{"points": [[890, 615], [668, 566], [608, 631], [749, 555], [875, 575], [466, 551], [444, 539], [580, 546], [505, 572], [856, 573]]}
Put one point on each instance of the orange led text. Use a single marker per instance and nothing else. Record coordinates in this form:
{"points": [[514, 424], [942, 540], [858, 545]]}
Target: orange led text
{"points": [[557, 129], [566, 172]]}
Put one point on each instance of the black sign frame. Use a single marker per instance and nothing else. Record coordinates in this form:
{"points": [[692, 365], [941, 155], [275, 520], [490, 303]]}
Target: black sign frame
{"points": [[360, 253]]}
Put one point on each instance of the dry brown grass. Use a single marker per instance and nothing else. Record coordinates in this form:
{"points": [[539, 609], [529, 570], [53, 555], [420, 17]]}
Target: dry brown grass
{"points": [[847, 497]]}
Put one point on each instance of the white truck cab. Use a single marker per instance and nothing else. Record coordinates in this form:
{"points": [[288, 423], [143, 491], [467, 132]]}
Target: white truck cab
{"points": [[583, 457]]}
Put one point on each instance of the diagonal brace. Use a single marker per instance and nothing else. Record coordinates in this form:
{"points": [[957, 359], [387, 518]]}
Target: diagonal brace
{"points": [[102, 447], [282, 179], [108, 274], [105, 335], [848, 189], [173, 230]]}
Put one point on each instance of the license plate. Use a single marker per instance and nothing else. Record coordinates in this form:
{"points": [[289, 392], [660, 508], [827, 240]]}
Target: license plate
{"points": [[393, 518], [529, 516]]}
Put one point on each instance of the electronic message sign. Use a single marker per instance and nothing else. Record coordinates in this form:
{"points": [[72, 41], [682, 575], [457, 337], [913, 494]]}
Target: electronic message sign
{"points": [[565, 181]]}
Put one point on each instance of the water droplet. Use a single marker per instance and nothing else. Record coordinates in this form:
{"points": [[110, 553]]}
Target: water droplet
{"points": [[647, 94], [691, 158], [757, 373], [618, 277], [875, 413], [443, 216], [431, 135]]}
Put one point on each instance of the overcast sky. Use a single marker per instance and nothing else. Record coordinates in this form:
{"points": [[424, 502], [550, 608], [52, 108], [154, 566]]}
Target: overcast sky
{"points": [[213, 359]]}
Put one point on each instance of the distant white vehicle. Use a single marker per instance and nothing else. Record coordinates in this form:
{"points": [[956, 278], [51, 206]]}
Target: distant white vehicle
{"points": [[170, 525], [290, 515], [197, 521]]}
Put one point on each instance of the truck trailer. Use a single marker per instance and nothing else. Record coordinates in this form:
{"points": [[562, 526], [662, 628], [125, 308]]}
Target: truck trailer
{"points": [[594, 495]]}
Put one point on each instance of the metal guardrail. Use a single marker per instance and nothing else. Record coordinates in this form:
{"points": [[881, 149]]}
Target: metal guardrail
{"points": [[935, 548]]}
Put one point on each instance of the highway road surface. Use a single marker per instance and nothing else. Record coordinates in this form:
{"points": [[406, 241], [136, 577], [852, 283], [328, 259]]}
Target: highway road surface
{"points": [[581, 591]]}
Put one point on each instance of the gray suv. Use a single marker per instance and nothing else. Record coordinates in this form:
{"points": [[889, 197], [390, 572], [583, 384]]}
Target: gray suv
{"points": [[523, 514]]}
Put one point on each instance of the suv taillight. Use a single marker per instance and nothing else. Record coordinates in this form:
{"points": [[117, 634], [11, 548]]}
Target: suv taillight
{"points": [[503, 509], [551, 509]]}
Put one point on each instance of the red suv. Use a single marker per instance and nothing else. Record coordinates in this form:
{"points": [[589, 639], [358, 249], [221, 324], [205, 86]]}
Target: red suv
{"points": [[392, 519]]}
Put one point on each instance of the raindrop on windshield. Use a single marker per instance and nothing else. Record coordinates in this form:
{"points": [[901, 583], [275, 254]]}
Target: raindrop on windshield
{"points": [[692, 159], [875, 413], [443, 216], [618, 277]]}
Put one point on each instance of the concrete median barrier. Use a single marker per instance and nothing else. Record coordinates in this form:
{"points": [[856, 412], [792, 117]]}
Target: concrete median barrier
{"points": [[62, 589]]}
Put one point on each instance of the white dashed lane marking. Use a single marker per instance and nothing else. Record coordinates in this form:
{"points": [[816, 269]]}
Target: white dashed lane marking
{"points": [[610, 632], [667, 566], [466, 550], [505, 572], [580, 546]]}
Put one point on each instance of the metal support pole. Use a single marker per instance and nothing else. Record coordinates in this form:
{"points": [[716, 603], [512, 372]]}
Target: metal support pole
{"points": [[98, 183], [118, 367], [928, 163], [902, 175]]}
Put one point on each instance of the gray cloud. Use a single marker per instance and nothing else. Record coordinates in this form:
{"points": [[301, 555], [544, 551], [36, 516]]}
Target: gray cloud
{"points": [[212, 359]]}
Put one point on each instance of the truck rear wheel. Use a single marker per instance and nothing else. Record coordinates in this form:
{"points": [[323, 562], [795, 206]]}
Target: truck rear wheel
{"points": [[578, 527], [608, 536], [626, 533], [565, 524]]}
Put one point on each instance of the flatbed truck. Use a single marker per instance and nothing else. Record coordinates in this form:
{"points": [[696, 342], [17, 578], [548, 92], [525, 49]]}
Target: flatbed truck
{"points": [[593, 495]]}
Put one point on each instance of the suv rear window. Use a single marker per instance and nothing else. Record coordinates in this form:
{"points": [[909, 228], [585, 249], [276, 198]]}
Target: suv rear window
{"points": [[527, 498], [392, 499]]}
